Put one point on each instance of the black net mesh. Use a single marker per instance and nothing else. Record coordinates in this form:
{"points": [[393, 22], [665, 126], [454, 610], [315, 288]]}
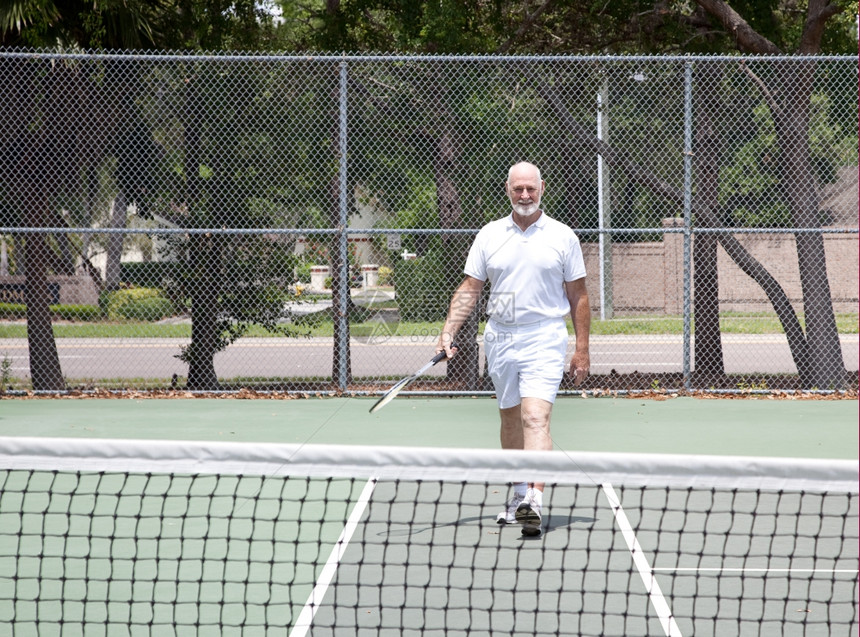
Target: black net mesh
{"points": [[262, 549]]}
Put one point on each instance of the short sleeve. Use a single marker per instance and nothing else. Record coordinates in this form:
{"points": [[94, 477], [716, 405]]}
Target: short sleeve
{"points": [[476, 263], [574, 264]]}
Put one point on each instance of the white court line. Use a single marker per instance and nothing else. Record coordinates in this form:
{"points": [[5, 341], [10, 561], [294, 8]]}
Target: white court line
{"points": [[657, 599], [725, 569], [627, 363], [306, 617]]}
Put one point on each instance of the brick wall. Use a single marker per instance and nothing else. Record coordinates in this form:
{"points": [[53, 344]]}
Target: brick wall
{"points": [[648, 278], [73, 290]]}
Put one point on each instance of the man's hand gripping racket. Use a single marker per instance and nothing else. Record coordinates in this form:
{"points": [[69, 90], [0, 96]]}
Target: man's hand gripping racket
{"points": [[388, 396]]}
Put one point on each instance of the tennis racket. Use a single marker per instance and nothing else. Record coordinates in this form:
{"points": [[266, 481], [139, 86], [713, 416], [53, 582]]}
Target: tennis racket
{"points": [[388, 396]]}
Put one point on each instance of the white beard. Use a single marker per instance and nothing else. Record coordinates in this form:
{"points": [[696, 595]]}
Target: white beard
{"points": [[526, 209]]}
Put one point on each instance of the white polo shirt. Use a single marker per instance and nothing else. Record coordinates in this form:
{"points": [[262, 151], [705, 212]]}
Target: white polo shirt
{"points": [[526, 270]]}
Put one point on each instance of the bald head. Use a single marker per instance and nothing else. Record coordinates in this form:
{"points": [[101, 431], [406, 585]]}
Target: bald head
{"points": [[524, 168]]}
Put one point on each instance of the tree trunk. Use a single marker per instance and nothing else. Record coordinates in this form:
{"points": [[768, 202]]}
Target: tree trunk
{"points": [[38, 168], [462, 369], [822, 366], [45, 371], [204, 313], [90, 198], [119, 214], [62, 261], [708, 346], [4, 257], [818, 354], [203, 280], [774, 292]]}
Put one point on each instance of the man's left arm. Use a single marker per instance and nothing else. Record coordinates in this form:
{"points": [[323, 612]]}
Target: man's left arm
{"points": [[580, 314]]}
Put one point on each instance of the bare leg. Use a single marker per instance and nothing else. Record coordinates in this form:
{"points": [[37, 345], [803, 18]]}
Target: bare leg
{"points": [[512, 427], [526, 426]]}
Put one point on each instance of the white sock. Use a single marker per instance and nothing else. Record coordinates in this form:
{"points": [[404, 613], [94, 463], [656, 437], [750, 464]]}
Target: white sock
{"points": [[520, 489]]}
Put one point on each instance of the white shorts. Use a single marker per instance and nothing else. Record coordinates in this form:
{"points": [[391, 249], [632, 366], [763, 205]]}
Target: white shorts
{"points": [[526, 360]]}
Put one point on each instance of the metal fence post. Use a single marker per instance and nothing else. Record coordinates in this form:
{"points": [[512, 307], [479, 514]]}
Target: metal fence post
{"points": [[688, 182], [343, 247], [604, 205]]}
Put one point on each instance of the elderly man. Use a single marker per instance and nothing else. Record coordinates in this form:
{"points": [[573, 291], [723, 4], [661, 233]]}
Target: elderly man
{"points": [[537, 276]]}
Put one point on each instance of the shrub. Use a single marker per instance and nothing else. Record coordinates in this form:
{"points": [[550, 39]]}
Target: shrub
{"points": [[12, 310], [386, 275], [64, 312], [423, 293], [152, 308], [113, 303], [303, 273], [77, 312]]}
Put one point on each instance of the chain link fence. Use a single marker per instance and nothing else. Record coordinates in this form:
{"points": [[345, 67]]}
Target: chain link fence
{"points": [[298, 223]]}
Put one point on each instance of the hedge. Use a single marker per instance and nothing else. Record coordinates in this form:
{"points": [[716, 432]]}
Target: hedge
{"points": [[64, 312], [147, 304], [149, 309], [423, 294]]}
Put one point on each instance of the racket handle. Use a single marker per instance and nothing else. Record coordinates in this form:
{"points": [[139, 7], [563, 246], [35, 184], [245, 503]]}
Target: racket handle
{"points": [[442, 355]]}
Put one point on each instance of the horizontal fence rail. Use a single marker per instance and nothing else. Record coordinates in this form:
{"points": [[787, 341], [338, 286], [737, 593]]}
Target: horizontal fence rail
{"points": [[299, 222]]}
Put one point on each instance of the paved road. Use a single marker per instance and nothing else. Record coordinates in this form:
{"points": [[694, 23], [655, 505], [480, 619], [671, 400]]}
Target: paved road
{"points": [[291, 358]]}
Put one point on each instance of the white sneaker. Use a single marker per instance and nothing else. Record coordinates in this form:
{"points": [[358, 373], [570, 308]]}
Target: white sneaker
{"points": [[528, 514], [509, 515]]}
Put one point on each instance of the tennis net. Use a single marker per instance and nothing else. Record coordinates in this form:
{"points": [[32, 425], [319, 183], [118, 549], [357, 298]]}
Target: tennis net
{"points": [[113, 537]]}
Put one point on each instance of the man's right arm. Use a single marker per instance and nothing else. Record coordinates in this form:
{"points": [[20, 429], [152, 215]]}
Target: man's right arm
{"points": [[462, 304]]}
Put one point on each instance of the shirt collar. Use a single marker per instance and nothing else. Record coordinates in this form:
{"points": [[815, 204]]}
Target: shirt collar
{"points": [[540, 223]]}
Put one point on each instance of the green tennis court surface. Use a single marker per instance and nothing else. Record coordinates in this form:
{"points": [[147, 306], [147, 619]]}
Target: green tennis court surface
{"points": [[780, 428], [236, 547]]}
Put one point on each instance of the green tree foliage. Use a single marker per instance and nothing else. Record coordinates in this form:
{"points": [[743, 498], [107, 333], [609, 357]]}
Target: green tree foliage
{"points": [[231, 160], [787, 90], [201, 167], [209, 176], [550, 26], [750, 181], [114, 24]]}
